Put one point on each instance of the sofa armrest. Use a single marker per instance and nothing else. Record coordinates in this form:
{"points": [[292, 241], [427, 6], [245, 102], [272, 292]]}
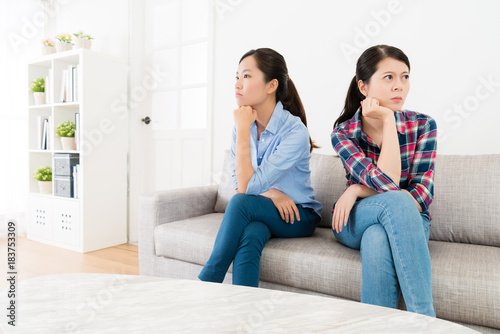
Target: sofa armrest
{"points": [[168, 206]]}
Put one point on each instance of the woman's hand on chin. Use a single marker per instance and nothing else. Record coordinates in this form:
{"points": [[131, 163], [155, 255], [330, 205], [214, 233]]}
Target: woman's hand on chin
{"points": [[372, 109], [244, 116]]}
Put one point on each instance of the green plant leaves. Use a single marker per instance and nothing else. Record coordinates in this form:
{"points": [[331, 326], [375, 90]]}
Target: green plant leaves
{"points": [[38, 85], [43, 174], [66, 129]]}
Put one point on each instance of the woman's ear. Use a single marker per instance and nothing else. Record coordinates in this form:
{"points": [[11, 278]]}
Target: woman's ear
{"points": [[362, 87], [272, 86]]}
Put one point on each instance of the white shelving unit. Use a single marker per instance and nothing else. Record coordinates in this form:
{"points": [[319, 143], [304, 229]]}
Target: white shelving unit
{"points": [[98, 218]]}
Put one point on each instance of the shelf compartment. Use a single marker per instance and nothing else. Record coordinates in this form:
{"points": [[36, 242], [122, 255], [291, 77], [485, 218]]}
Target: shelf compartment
{"points": [[36, 160], [36, 120], [36, 71], [62, 114]]}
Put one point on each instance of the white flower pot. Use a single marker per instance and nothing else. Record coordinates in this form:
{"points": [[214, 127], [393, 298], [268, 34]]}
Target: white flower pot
{"points": [[61, 46], [83, 43], [45, 187], [39, 97], [68, 143], [46, 50]]}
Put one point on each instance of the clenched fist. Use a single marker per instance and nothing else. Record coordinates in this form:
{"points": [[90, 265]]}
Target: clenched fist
{"points": [[372, 109], [244, 116]]}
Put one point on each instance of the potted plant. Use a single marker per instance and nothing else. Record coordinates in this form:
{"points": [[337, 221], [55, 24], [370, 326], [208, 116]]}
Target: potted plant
{"points": [[63, 42], [44, 177], [38, 89], [66, 130], [48, 46], [83, 40]]}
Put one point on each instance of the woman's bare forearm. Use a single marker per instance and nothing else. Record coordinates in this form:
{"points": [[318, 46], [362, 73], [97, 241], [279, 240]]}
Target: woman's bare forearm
{"points": [[243, 160]]}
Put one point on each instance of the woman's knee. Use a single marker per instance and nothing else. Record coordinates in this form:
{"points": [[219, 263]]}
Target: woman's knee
{"points": [[239, 201], [397, 202], [398, 196], [255, 233]]}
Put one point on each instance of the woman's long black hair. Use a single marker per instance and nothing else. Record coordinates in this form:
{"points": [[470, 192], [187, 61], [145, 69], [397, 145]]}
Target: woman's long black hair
{"points": [[273, 65], [365, 67]]}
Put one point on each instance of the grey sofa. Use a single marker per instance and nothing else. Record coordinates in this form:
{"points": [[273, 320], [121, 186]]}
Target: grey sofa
{"points": [[178, 228]]}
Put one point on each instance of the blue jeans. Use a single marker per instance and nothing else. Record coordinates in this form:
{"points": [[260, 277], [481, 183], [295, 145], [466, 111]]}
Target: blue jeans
{"points": [[249, 222], [393, 238]]}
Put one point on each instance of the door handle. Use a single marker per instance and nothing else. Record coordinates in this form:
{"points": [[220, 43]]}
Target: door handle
{"points": [[146, 120]]}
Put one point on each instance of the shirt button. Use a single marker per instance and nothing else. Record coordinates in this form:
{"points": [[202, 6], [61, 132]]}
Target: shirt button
{"points": [[263, 140]]}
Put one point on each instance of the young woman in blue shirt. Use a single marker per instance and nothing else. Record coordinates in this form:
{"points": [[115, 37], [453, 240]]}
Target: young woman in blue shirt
{"points": [[270, 154]]}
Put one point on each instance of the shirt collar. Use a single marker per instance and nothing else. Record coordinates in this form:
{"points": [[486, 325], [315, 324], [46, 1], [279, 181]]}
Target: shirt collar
{"points": [[356, 125], [277, 118]]}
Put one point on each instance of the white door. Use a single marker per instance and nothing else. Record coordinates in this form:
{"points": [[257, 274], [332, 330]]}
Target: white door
{"points": [[170, 91]]}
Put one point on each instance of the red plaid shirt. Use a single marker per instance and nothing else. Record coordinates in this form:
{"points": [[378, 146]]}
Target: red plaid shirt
{"points": [[417, 141]]}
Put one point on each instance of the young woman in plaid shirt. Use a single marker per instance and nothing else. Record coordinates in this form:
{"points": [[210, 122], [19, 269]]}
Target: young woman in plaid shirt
{"points": [[388, 154]]}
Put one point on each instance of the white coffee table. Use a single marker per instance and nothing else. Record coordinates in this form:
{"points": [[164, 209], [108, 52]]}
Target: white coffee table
{"points": [[103, 303]]}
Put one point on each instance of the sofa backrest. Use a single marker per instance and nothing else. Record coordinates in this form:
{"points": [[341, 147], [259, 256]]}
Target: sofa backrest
{"points": [[466, 206]]}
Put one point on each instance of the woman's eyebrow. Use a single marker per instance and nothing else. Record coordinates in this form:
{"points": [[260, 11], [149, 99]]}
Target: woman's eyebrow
{"points": [[244, 70], [391, 72]]}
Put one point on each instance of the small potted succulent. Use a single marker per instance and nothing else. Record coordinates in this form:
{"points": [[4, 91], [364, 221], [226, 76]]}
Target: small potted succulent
{"points": [[38, 89], [83, 40], [48, 46], [44, 177], [63, 42], [66, 130]]}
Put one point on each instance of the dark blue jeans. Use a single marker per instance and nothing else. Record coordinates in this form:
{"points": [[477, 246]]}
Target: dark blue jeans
{"points": [[249, 222]]}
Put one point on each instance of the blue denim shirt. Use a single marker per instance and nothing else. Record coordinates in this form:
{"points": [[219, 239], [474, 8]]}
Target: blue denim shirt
{"points": [[280, 159]]}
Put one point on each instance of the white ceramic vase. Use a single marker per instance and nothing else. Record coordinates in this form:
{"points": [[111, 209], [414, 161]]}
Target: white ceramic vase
{"points": [[39, 97], [47, 50], [68, 143], [82, 43], [45, 187], [61, 46]]}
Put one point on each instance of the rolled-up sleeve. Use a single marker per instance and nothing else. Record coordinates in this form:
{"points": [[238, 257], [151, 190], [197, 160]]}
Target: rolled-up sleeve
{"points": [[421, 178], [286, 155], [360, 167]]}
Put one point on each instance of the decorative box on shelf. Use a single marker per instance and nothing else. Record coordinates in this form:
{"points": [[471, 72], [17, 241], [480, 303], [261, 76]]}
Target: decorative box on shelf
{"points": [[63, 186], [64, 162]]}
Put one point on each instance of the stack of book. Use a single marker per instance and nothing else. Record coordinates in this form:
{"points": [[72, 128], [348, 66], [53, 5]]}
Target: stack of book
{"points": [[43, 130], [48, 87], [77, 130], [69, 84], [76, 180]]}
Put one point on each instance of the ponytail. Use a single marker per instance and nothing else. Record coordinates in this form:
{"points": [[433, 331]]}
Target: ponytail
{"points": [[352, 102], [291, 101]]}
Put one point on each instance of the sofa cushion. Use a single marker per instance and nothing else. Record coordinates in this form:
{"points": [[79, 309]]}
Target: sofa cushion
{"points": [[466, 206], [190, 240], [465, 280]]}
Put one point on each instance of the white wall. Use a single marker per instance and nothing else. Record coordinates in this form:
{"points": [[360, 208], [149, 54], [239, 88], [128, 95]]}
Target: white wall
{"points": [[452, 46]]}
